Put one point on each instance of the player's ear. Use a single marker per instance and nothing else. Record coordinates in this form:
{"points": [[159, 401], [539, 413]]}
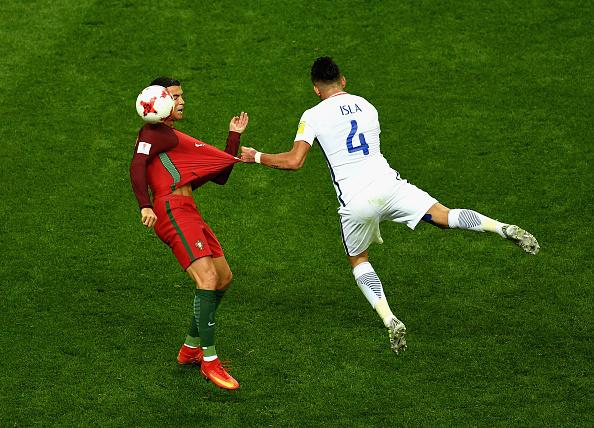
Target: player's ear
{"points": [[317, 91], [342, 81]]}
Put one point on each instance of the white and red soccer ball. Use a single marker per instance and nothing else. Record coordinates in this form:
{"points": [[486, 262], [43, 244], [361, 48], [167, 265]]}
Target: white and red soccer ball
{"points": [[154, 104]]}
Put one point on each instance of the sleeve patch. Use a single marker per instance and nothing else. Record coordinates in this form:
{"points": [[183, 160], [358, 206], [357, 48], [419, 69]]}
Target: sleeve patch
{"points": [[143, 147], [301, 127]]}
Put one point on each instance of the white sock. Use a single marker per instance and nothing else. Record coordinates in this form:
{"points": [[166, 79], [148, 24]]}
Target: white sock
{"points": [[471, 220], [372, 289], [211, 358]]}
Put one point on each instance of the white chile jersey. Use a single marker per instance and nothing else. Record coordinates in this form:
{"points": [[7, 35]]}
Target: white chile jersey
{"points": [[347, 129]]}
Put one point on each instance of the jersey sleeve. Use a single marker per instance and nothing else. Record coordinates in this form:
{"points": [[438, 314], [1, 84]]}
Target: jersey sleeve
{"points": [[232, 147], [306, 131], [152, 140]]}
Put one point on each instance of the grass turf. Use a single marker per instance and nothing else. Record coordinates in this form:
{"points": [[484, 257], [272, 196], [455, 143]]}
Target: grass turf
{"points": [[486, 105]]}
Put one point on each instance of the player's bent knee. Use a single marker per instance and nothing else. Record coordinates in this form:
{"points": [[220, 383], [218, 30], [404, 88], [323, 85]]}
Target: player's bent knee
{"points": [[204, 274], [207, 280], [438, 216], [359, 258]]}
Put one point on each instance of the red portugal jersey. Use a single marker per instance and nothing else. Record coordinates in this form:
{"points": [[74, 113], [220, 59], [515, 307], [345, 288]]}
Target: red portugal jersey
{"points": [[167, 159]]}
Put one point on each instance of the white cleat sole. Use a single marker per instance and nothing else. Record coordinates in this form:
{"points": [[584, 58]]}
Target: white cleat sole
{"points": [[521, 238], [397, 332]]}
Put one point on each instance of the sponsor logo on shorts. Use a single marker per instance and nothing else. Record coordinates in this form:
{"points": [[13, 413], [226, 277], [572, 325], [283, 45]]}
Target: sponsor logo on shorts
{"points": [[199, 245]]}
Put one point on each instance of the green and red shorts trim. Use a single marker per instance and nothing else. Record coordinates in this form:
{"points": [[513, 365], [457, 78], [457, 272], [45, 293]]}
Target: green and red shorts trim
{"points": [[180, 225]]}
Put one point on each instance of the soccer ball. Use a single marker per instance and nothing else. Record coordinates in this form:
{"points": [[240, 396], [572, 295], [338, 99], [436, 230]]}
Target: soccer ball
{"points": [[154, 104]]}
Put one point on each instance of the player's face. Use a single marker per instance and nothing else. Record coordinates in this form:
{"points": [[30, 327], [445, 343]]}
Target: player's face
{"points": [[178, 109]]}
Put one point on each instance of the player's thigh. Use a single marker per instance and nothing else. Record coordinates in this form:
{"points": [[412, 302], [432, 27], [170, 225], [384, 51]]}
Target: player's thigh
{"points": [[180, 226], [223, 271], [407, 204], [204, 273], [218, 257], [359, 227]]}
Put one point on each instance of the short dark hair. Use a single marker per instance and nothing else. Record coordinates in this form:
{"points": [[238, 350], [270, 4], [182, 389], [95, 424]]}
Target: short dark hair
{"points": [[324, 70], [165, 81]]}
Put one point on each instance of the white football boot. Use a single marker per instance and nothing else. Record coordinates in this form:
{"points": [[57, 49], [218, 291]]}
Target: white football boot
{"points": [[521, 238], [397, 331]]}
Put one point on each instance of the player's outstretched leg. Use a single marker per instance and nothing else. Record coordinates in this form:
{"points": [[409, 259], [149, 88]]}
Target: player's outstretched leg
{"points": [[372, 288], [472, 220]]}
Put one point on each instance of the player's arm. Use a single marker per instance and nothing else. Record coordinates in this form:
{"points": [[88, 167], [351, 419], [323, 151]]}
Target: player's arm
{"points": [[140, 188], [236, 128], [292, 160], [149, 144]]}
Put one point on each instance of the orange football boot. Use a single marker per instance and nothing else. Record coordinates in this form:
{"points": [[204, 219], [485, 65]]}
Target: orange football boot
{"points": [[189, 355], [214, 371]]}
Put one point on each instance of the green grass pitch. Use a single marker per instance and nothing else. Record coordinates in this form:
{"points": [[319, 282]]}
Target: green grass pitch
{"points": [[485, 104]]}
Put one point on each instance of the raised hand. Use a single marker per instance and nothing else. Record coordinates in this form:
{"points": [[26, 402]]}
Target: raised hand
{"points": [[239, 123]]}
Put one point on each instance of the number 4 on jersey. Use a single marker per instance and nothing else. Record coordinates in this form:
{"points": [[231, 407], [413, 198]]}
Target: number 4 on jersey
{"points": [[349, 140]]}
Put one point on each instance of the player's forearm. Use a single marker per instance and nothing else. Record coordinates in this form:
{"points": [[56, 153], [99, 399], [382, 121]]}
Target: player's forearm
{"points": [[223, 176], [292, 160], [232, 145], [281, 161]]}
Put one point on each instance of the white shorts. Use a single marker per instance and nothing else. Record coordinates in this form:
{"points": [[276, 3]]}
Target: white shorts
{"points": [[389, 198]]}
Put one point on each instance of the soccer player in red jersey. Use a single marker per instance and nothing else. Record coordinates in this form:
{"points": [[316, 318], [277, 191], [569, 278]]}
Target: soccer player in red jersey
{"points": [[173, 164]]}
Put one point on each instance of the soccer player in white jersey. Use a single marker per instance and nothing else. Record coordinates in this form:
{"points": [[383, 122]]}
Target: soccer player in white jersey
{"points": [[368, 189]]}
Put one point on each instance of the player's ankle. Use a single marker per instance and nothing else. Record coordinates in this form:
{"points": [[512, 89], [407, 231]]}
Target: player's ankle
{"points": [[383, 310], [192, 342]]}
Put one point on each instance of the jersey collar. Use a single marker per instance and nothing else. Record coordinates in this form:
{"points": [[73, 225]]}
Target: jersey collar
{"points": [[336, 94]]}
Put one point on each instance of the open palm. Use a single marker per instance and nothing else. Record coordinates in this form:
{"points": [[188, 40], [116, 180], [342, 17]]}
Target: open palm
{"points": [[239, 123]]}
